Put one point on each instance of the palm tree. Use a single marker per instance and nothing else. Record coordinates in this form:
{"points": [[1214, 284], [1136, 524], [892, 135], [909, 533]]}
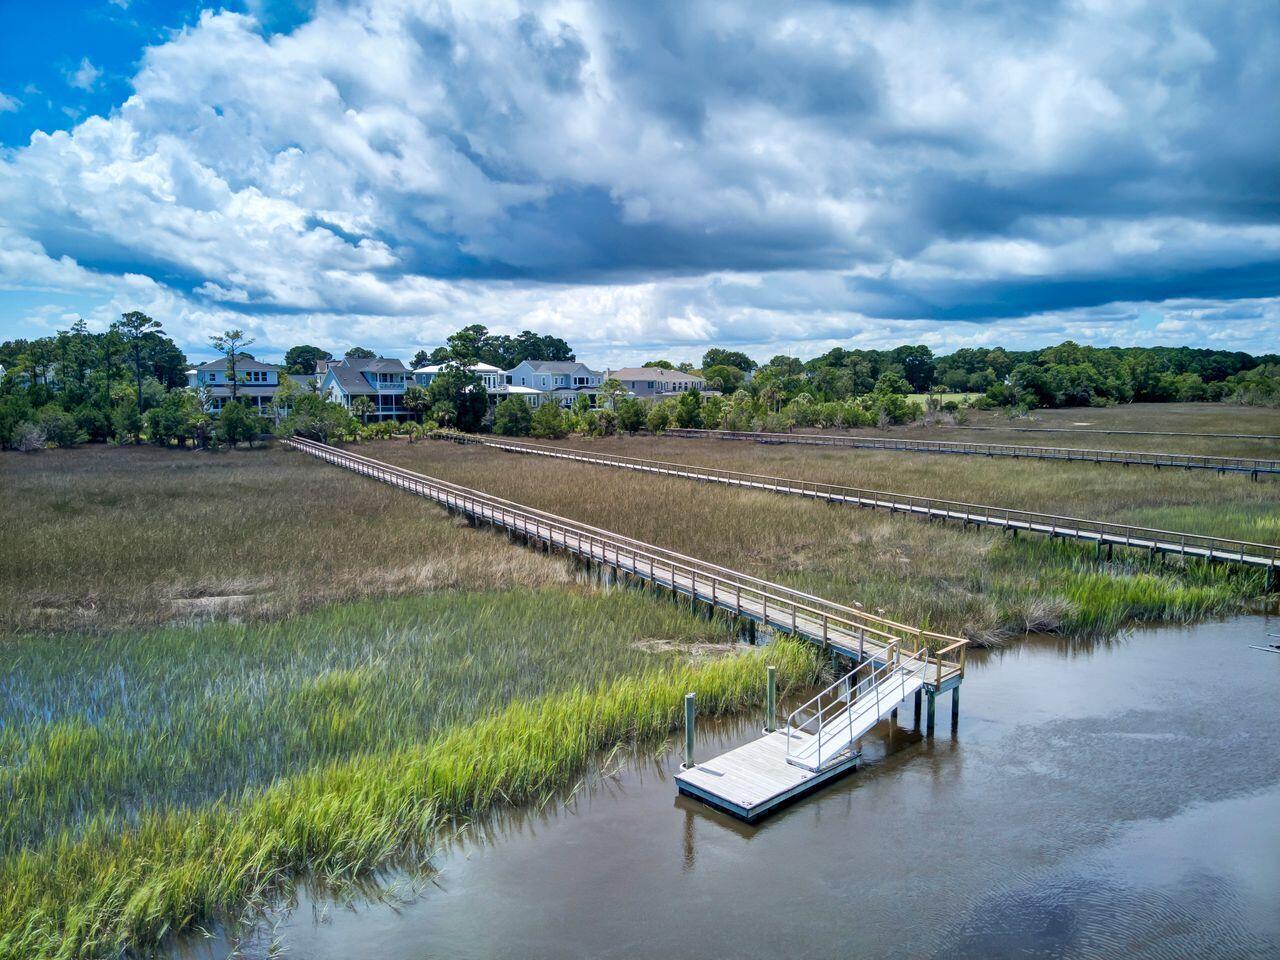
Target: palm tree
{"points": [[362, 407]]}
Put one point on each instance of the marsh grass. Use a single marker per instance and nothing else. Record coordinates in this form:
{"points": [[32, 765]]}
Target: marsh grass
{"points": [[100, 537], [131, 722], [108, 887], [977, 582]]}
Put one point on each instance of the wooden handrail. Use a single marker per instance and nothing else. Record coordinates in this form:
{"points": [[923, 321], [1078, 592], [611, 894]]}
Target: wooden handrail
{"points": [[1207, 546], [855, 624]]}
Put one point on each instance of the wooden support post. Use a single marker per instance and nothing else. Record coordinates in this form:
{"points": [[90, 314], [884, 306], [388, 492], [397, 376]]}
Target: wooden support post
{"points": [[919, 697], [770, 699], [928, 723], [955, 709], [689, 718]]}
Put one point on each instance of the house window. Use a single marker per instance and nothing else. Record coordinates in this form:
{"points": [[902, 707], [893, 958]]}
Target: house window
{"points": [[650, 384]]}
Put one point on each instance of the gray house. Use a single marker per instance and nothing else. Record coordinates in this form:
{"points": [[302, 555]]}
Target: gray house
{"points": [[657, 382], [256, 382], [380, 379], [565, 380]]}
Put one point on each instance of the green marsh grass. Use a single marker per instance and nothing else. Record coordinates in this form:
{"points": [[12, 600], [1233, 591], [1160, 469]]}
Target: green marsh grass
{"points": [[108, 887], [121, 724]]}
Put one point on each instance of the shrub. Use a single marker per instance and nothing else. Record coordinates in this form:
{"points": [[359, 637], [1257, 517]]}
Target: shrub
{"points": [[93, 423], [631, 414], [126, 423], [59, 427], [29, 437], [659, 417], [238, 423], [548, 422], [512, 418]]}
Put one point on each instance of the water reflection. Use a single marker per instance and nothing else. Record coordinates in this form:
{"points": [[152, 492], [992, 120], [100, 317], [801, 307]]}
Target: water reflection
{"points": [[1113, 798]]}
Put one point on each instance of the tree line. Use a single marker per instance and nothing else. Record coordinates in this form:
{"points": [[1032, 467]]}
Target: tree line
{"points": [[128, 384]]}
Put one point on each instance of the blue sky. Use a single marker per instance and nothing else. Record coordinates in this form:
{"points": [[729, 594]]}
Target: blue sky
{"points": [[644, 179]]}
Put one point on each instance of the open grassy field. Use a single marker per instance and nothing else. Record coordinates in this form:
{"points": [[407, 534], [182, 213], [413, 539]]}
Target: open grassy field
{"points": [[221, 670]]}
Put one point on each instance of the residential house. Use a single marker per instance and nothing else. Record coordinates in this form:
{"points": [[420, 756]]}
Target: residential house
{"points": [[657, 381], [256, 382], [491, 376], [564, 380], [380, 379]]}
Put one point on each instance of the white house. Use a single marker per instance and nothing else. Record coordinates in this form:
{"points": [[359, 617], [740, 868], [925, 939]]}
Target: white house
{"points": [[380, 379], [256, 382], [491, 376]]}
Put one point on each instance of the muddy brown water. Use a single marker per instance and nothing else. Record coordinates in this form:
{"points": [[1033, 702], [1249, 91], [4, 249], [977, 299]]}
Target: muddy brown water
{"points": [[1101, 800]]}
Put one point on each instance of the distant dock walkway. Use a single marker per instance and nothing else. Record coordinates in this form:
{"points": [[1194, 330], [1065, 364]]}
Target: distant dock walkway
{"points": [[1103, 534], [1255, 468]]}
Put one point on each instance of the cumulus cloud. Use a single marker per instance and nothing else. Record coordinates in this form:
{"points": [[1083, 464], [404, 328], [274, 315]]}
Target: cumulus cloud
{"points": [[653, 176]]}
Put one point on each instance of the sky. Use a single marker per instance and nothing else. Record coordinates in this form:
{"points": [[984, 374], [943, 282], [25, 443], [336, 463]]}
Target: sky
{"points": [[645, 179]]}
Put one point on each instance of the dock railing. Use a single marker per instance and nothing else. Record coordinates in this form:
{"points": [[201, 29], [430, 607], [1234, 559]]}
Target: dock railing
{"points": [[1252, 466], [1102, 532], [885, 683], [850, 630]]}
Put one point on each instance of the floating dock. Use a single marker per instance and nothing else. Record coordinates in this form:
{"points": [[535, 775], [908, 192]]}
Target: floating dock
{"points": [[755, 780]]}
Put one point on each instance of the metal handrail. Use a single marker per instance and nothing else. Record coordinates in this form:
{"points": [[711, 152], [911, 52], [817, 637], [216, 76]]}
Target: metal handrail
{"points": [[897, 668], [1055, 525], [1136, 457], [811, 616]]}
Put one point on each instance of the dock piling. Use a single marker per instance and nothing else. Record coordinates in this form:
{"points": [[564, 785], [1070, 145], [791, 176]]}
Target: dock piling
{"points": [[955, 709], [689, 719], [928, 723], [771, 698]]}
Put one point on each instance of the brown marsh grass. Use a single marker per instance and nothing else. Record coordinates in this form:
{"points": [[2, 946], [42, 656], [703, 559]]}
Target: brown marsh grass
{"points": [[102, 536]]}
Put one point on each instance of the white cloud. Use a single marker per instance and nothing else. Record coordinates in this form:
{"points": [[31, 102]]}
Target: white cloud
{"points": [[9, 104], [84, 76], [634, 179]]}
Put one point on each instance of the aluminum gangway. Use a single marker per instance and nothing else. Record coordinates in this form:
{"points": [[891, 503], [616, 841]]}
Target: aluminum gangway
{"points": [[817, 744]]}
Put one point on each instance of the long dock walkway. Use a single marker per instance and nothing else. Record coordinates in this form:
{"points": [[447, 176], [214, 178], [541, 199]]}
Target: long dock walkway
{"points": [[822, 734], [1180, 461], [1099, 532]]}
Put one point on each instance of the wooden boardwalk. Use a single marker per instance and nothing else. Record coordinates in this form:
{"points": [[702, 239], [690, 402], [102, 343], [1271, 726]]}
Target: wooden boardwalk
{"points": [[853, 633], [1099, 532], [1178, 461]]}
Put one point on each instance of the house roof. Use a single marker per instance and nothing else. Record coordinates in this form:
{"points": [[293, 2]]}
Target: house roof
{"points": [[654, 373], [350, 380], [472, 367], [375, 365], [556, 366], [243, 362]]}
